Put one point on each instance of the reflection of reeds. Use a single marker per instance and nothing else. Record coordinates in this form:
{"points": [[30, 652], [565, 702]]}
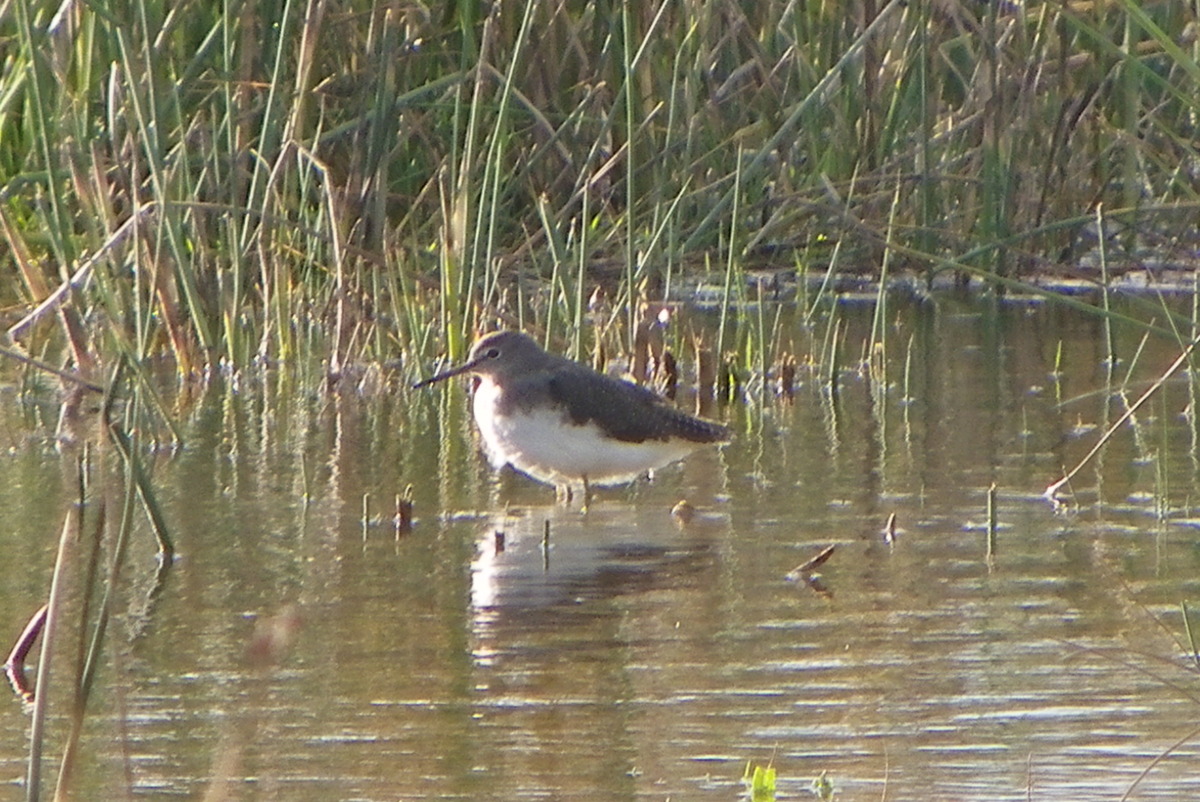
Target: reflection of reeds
{"points": [[86, 583], [83, 591], [267, 647]]}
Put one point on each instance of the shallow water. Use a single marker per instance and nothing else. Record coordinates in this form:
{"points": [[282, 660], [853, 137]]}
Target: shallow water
{"points": [[628, 657]]}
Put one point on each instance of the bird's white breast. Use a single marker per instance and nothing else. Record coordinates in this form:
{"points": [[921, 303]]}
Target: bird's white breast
{"points": [[544, 443]]}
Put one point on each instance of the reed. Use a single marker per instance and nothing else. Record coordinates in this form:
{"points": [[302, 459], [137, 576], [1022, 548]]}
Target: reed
{"points": [[287, 182]]}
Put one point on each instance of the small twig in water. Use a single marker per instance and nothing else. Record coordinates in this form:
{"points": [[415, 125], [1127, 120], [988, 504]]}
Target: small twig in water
{"points": [[815, 562], [889, 530]]}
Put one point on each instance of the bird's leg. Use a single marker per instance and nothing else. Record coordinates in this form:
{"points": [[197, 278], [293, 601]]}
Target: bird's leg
{"points": [[587, 493]]}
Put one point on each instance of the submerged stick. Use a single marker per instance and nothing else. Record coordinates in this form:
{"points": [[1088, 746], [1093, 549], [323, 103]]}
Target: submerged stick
{"points": [[135, 471], [37, 727]]}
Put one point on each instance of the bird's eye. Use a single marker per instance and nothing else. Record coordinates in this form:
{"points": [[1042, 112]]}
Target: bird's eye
{"points": [[492, 353]]}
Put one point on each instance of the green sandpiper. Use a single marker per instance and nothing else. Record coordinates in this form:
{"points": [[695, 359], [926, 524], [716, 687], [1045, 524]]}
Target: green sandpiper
{"points": [[564, 424]]}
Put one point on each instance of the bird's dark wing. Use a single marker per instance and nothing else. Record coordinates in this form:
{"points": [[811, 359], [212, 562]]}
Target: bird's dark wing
{"points": [[625, 411]]}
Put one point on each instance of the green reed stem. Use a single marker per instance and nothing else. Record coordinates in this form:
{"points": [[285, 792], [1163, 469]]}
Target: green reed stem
{"points": [[727, 290]]}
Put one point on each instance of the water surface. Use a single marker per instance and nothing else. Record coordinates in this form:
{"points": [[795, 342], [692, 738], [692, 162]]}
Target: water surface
{"points": [[628, 657]]}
